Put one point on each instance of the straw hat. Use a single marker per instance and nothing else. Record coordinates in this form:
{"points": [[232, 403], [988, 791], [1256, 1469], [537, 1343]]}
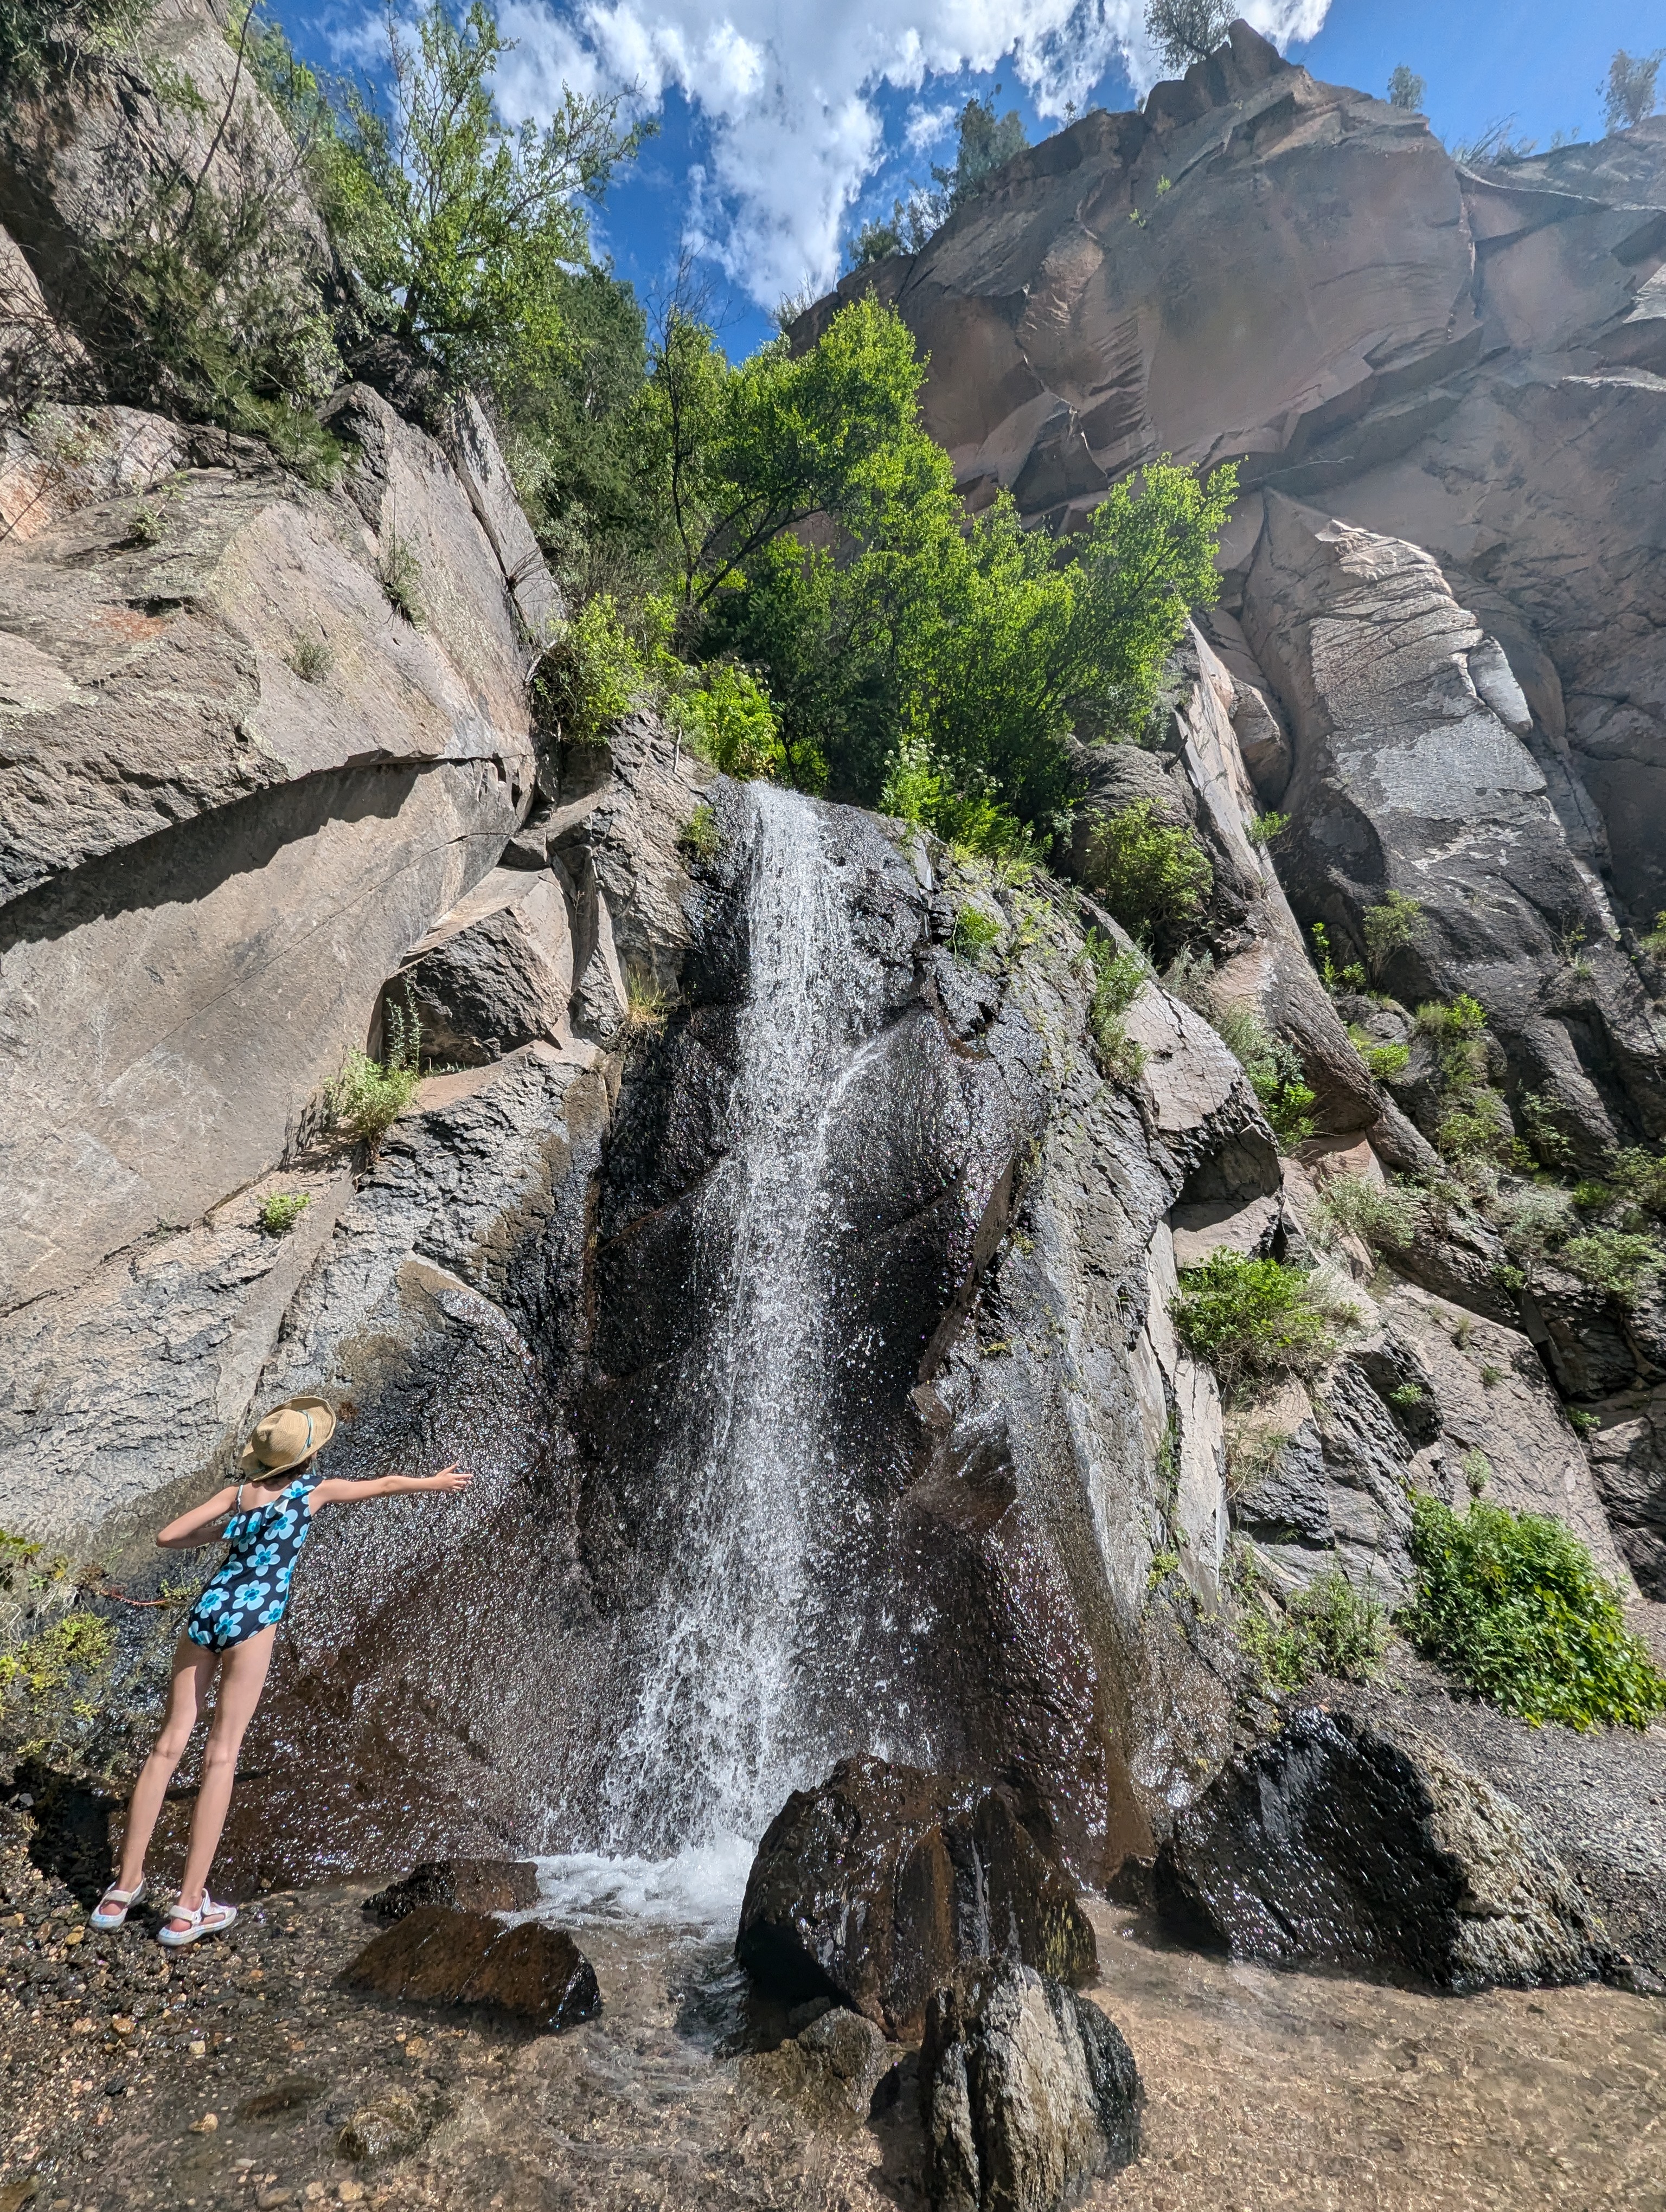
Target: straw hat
{"points": [[290, 1433]]}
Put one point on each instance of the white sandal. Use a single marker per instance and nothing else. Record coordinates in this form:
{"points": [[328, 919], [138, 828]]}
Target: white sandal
{"points": [[103, 1917], [208, 1919]]}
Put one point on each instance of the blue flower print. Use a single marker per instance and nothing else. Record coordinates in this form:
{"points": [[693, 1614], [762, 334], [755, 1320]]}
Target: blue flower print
{"points": [[251, 1588]]}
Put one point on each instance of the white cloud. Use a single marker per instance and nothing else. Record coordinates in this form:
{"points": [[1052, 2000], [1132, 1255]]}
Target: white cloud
{"points": [[787, 88]]}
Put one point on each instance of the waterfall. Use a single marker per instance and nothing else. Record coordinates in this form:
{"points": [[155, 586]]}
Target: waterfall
{"points": [[722, 1728]]}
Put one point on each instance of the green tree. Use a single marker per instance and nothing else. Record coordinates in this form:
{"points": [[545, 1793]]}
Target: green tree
{"points": [[1188, 31], [1629, 94], [1406, 89], [462, 232], [985, 143]]}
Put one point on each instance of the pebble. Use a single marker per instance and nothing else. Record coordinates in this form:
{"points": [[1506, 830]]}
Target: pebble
{"points": [[269, 2197], [350, 2192], [197, 2050], [206, 2125]]}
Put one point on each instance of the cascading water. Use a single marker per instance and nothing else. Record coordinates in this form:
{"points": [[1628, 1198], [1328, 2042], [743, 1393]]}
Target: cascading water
{"points": [[722, 1728]]}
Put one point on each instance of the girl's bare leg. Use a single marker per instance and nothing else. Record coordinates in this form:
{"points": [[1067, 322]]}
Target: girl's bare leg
{"points": [[193, 1669], [242, 1678]]}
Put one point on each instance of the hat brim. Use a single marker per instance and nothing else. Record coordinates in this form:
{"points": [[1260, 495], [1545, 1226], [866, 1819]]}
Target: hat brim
{"points": [[249, 1461]]}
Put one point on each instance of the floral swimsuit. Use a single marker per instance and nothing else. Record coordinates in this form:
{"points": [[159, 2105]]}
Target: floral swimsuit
{"points": [[251, 1590]]}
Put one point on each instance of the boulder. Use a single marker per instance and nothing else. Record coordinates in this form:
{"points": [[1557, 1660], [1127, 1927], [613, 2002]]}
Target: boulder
{"points": [[1027, 2091], [437, 1955], [1628, 1468], [831, 2068], [1372, 1848], [467, 1885], [495, 973], [873, 1888]]}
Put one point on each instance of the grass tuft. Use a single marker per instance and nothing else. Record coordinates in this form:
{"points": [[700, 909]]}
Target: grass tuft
{"points": [[1256, 1320]]}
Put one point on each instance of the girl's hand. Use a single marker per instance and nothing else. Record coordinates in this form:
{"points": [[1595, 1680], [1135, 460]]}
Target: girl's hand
{"points": [[450, 1477]]}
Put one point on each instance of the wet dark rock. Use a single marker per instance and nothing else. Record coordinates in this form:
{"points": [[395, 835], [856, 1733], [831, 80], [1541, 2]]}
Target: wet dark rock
{"points": [[436, 1956], [292, 2094], [874, 1887], [1027, 2091], [469, 1885], [1372, 1847]]}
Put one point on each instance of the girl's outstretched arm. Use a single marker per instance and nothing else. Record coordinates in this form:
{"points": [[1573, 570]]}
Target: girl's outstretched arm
{"points": [[197, 1527], [336, 1491]]}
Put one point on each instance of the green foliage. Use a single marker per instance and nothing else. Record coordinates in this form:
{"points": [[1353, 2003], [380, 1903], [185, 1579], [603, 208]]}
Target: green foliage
{"points": [[462, 233], [1514, 1607], [1625, 1266], [648, 1005], [732, 723], [1119, 977], [280, 1210], [1146, 872], [1477, 1130], [976, 929], [76, 1644], [1257, 1319], [1406, 89], [1543, 1137], [1266, 827], [1637, 1178], [1629, 94], [1384, 1061], [1274, 1068], [1385, 1216], [1393, 922], [1349, 977], [365, 1099], [1455, 1031], [1329, 1628], [1583, 1423], [1477, 1471], [312, 659], [699, 836], [1654, 943], [400, 575], [986, 143], [36, 35], [592, 674], [1188, 31]]}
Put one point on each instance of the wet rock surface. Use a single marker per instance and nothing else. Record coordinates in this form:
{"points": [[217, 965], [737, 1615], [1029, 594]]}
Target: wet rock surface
{"points": [[439, 1955], [469, 1885], [871, 1888], [1026, 2091], [1362, 1845]]}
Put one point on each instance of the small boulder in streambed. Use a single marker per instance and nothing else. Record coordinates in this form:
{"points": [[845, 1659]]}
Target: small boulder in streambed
{"points": [[1026, 2092], [436, 1955], [873, 1888], [469, 1885], [1340, 1843]]}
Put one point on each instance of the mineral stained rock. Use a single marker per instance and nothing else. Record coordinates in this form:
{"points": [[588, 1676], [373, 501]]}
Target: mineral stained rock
{"points": [[469, 1885], [1374, 1848], [873, 1888], [1026, 2090]]}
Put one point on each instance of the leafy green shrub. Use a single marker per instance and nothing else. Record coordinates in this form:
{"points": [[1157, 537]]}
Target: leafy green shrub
{"points": [[1625, 1266], [1640, 1178], [699, 835], [1655, 943], [1266, 827], [1118, 978], [1455, 1031], [1349, 977], [976, 929], [1384, 1061], [1543, 1137], [1477, 1471], [280, 1211], [1329, 1628], [732, 724], [368, 1097], [1476, 1129], [1274, 1068], [34, 32], [592, 673], [1385, 1216], [1258, 1319], [1146, 872], [1514, 1606], [1393, 922]]}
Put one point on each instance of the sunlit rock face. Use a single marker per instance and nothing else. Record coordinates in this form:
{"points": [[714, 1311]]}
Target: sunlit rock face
{"points": [[1264, 268]]}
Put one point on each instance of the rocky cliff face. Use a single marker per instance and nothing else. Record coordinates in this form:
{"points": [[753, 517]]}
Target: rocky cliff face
{"points": [[796, 1279]]}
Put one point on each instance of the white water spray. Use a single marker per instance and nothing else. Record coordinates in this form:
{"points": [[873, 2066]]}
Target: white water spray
{"points": [[719, 1732]]}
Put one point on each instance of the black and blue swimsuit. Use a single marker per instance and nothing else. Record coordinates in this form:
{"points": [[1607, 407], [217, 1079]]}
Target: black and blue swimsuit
{"points": [[251, 1590]]}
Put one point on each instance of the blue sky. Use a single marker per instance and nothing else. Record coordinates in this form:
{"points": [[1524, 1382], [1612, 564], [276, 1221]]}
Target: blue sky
{"points": [[783, 122]]}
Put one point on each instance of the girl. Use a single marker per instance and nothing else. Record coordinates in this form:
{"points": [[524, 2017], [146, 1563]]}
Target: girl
{"points": [[230, 1629]]}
